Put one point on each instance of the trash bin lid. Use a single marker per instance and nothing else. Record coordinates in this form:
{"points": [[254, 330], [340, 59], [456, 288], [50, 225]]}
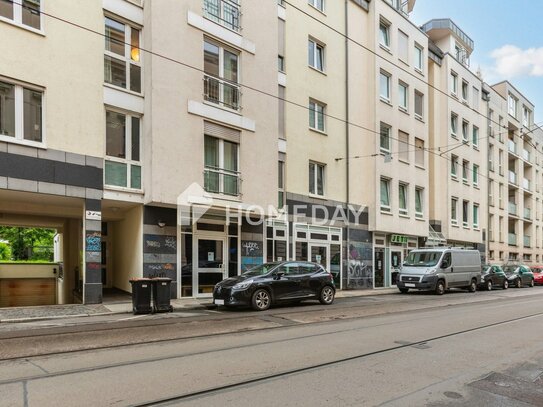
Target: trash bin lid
{"points": [[162, 279], [134, 280]]}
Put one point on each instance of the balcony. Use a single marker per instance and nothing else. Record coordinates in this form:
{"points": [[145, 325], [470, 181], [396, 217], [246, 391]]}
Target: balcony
{"points": [[527, 156], [527, 213], [512, 177], [526, 184], [222, 92], [222, 181], [224, 12], [527, 241], [512, 208], [512, 147], [512, 239]]}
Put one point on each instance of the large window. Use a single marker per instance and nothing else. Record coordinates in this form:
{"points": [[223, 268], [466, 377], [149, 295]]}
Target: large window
{"points": [[454, 211], [21, 113], [475, 175], [385, 195], [419, 104], [224, 12], [315, 54], [403, 198], [221, 162], [475, 136], [316, 115], [281, 185], [512, 103], [465, 130], [384, 139], [465, 91], [318, 4], [123, 151], [465, 170], [475, 216], [122, 62], [25, 12], [221, 67], [419, 55], [403, 95], [384, 84], [465, 213], [454, 124], [384, 34], [454, 83], [454, 166], [316, 178], [419, 202]]}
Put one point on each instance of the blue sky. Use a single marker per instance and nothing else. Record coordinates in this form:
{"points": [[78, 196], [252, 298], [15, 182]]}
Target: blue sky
{"points": [[508, 38]]}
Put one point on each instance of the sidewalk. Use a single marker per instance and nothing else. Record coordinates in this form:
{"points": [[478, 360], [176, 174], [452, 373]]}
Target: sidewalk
{"points": [[26, 314]]}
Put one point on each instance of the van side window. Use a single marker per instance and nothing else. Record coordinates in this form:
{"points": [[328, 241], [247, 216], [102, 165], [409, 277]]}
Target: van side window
{"points": [[446, 262]]}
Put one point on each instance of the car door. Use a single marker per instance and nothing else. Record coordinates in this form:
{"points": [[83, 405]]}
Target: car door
{"points": [[309, 284], [525, 275], [287, 284]]}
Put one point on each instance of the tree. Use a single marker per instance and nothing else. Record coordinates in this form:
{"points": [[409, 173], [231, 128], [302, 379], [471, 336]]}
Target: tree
{"points": [[21, 239]]}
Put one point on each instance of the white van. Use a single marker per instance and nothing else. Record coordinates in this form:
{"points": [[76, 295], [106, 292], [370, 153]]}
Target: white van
{"points": [[440, 269]]}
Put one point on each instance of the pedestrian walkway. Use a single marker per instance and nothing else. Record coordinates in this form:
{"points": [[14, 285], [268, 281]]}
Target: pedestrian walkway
{"points": [[24, 314]]}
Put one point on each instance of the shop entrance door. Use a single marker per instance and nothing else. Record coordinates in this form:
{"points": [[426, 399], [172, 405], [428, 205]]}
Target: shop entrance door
{"points": [[379, 268], [211, 267], [319, 254], [395, 264]]}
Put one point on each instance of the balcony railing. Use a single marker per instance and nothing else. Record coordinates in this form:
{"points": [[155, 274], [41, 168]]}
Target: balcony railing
{"points": [[526, 184], [527, 241], [512, 208], [224, 12], [527, 213], [222, 181], [222, 92], [512, 177], [526, 155], [512, 239], [512, 146]]}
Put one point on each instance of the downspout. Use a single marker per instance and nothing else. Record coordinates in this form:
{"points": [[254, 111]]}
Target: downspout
{"points": [[347, 133]]}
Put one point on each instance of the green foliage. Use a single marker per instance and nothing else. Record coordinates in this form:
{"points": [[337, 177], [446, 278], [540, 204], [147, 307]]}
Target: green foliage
{"points": [[5, 252], [28, 243]]}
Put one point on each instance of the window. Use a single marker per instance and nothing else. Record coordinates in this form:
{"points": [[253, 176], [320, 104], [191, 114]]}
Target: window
{"points": [[500, 129], [465, 130], [403, 46], [526, 116], [475, 93], [221, 162], [281, 63], [419, 199], [316, 179], [454, 213], [403, 198], [281, 185], [419, 105], [475, 175], [385, 86], [454, 166], [25, 12], [512, 105], [403, 96], [384, 139], [465, 169], [500, 162], [419, 152], [122, 65], [454, 83], [403, 144], [224, 12], [316, 115], [221, 67], [21, 113], [123, 151], [419, 55], [316, 55], [454, 124], [491, 192], [475, 136], [384, 34], [385, 195], [465, 91], [465, 214], [491, 157], [500, 195], [318, 4], [475, 216]]}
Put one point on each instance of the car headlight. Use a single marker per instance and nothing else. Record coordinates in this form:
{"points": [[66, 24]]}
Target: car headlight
{"points": [[243, 285], [431, 271]]}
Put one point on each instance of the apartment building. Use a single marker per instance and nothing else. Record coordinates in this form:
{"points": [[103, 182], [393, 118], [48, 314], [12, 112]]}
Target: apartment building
{"points": [[459, 153]]}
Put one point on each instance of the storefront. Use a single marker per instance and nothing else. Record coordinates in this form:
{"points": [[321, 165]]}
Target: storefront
{"points": [[390, 250]]}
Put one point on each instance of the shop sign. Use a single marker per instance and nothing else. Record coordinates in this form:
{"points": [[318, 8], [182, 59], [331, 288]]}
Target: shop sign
{"points": [[398, 239]]}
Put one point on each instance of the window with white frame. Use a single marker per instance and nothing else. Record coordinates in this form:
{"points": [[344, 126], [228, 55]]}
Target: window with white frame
{"points": [[475, 93], [476, 216], [475, 174], [384, 33], [21, 113], [221, 75], [454, 166], [403, 147], [384, 138], [454, 83], [403, 198], [465, 130], [403, 46], [419, 202], [454, 211], [491, 157], [465, 170], [403, 95], [316, 115], [491, 192], [419, 58], [454, 124], [419, 152], [316, 178], [500, 162], [384, 86], [224, 12], [123, 151], [465, 91], [385, 194], [475, 136], [419, 105], [281, 185], [526, 113], [512, 105], [465, 213], [318, 4], [24, 12], [221, 166], [122, 58], [315, 54]]}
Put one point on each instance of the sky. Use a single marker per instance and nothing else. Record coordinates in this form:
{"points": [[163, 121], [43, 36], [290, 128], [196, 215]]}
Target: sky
{"points": [[508, 38]]}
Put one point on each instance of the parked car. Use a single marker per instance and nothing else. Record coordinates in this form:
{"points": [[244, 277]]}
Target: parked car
{"points": [[538, 275], [271, 283], [440, 269], [519, 275], [493, 276]]}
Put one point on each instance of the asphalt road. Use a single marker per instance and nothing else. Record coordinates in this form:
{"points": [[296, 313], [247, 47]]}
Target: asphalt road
{"points": [[460, 349]]}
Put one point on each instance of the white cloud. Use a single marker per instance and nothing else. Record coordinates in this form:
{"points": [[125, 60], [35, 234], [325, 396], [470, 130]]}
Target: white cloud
{"points": [[511, 61]]}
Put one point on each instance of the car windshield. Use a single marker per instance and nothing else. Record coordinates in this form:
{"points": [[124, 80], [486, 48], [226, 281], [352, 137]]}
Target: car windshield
{"points": [[486, 269], [422, 259], [260, 270]]}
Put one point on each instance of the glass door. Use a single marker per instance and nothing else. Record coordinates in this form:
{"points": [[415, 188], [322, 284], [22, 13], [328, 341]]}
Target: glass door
{"points": [[211, 267], [319, 255], [395, 264], [379, 267]]}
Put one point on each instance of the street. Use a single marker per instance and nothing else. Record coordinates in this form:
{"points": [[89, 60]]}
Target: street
{"points": [[418, 349]]}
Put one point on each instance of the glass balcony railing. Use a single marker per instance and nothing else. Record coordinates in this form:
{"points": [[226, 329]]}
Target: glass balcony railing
{"points": [[512, 239], [222, 181], [512, 177], [512, 146], [527, 213], [527, 241], [222, 92], [512, 208], [526, 184]]}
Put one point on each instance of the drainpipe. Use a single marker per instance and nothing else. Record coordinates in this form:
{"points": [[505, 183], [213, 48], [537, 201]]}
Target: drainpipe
{"points": [[347, 161]]}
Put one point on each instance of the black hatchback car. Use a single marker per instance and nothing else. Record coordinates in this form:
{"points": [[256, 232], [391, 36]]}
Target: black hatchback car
{"points": [[271, 283]]}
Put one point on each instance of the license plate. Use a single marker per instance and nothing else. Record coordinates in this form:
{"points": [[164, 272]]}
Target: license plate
{"points": [[409, 285], [219, 302]]}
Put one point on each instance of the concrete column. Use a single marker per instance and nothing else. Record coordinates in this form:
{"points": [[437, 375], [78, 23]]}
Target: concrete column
{"points": [[92, 289]]}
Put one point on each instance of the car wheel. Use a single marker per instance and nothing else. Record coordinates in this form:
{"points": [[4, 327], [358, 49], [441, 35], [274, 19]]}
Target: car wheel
{"points": [[473, 286], [532, 282], [440, 287], [404, 290], [327, 295], [261, 300], [505, 284], [489, 285], [518, 283]]}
